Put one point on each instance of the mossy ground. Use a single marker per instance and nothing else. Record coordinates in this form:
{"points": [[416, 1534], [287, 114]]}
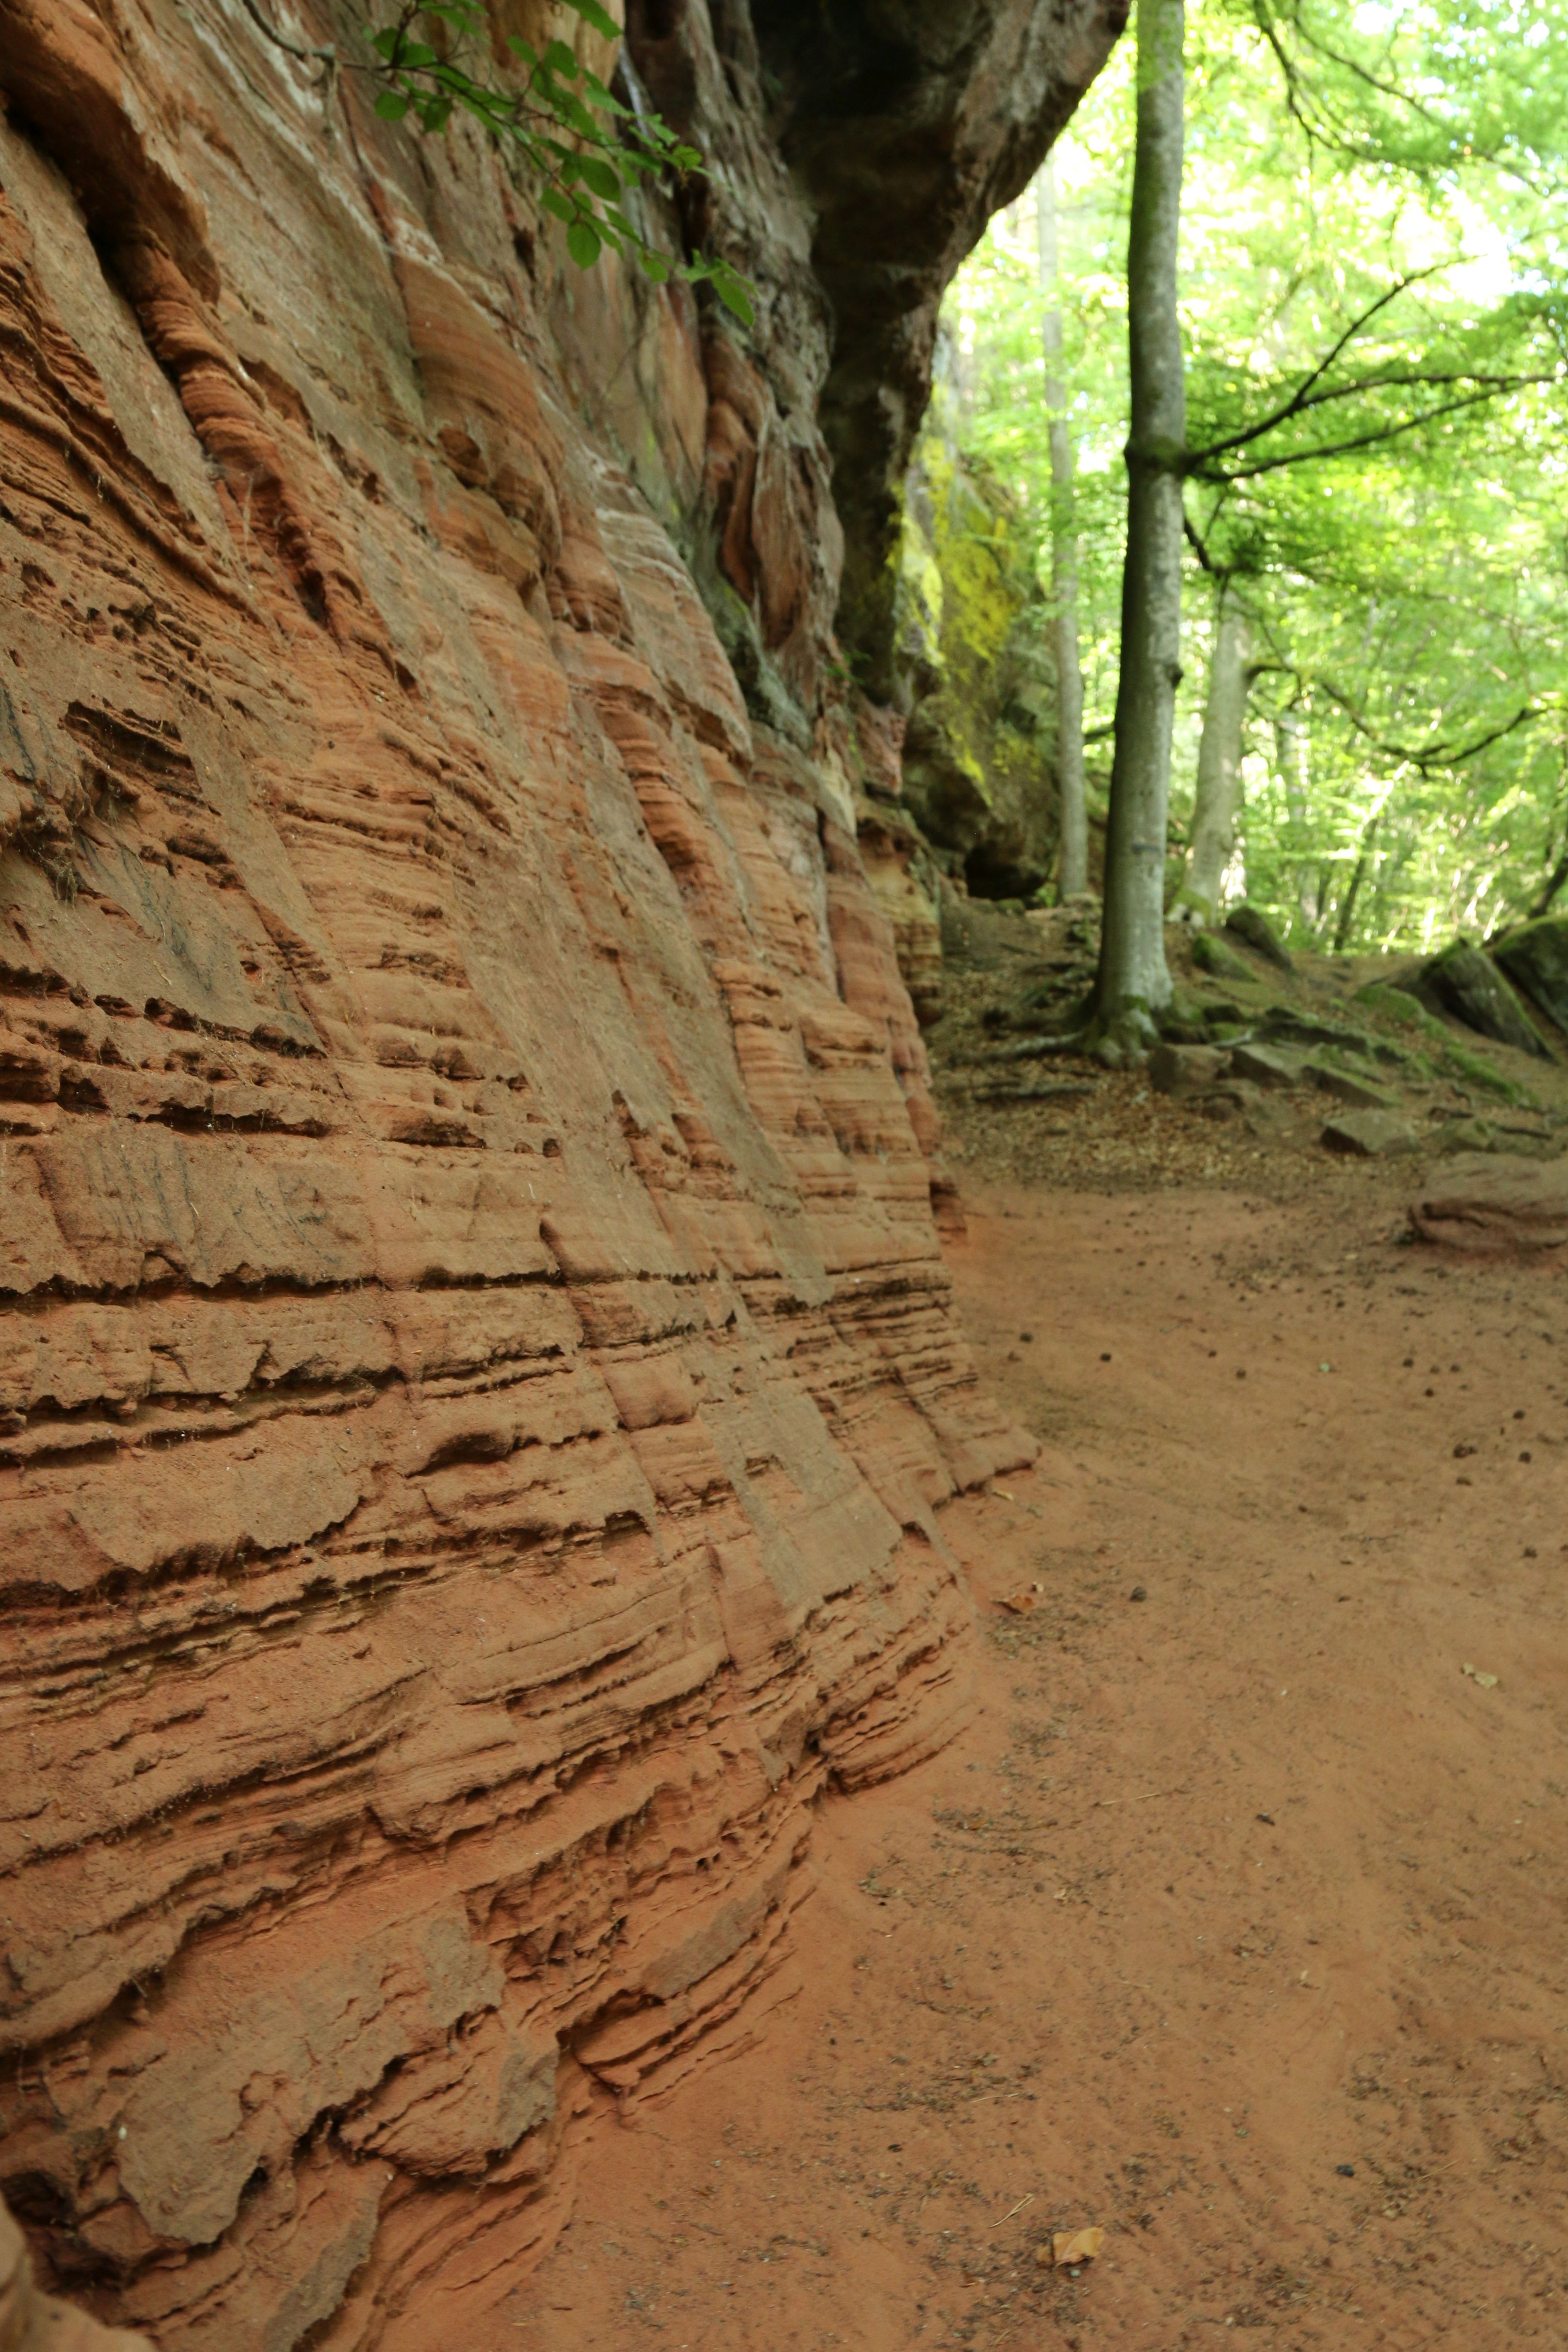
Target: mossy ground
{"points": [[1014, 978]]}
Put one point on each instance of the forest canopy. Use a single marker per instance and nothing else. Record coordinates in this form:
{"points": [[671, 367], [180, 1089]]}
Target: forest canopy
{"points": [[1374, 314]]}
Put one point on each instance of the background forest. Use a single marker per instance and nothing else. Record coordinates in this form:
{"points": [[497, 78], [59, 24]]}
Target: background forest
{"points": [[1372, 290]]}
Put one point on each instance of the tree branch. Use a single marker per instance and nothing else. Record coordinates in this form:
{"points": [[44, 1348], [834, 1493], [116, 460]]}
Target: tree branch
{"points": [[1363, 73], [1554, 882], [1436, 755], [1194, 541], [1299, 400], [1362, 440], [328, 58]]}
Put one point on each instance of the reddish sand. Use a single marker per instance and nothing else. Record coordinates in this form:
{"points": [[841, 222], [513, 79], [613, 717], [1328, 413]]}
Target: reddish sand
{"points": [[1224, 1891]]}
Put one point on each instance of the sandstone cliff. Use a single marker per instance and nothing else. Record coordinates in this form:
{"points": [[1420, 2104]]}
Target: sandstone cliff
{"points": [[478, 1385]]}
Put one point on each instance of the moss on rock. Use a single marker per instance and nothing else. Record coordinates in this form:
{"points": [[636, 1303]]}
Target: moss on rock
{"points": [[972, 655]]}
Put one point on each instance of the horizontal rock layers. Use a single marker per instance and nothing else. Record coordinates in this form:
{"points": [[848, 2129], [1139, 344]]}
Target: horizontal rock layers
{"points": [[31, 2322], [477, 1374]]}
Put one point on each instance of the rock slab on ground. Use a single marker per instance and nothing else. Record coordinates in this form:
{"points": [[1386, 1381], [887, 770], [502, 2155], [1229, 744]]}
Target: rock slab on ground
{"points": [[1345, 1087], [1369, 1134], [1184, 1070], [1254, 928], [1266, 1066], [1489, 1206], [1535, 958], [1211, 954], [1466, 982]]}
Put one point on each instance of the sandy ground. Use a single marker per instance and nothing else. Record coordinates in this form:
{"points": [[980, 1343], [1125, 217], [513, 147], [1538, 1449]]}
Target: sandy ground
{"points": [[1234, 1925]]}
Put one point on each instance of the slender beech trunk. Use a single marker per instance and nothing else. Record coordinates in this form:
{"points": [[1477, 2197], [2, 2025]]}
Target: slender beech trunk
{"points": [[1133, 981], [1217, 804], [1346, 924], [1293, 747], [1559, 873], [1072, 871], [1553, 884]]}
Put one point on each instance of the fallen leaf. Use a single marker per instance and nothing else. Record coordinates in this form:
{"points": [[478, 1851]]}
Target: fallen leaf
{"points": [[1068, 2248], [1020, 1603], [1487, 1682]]}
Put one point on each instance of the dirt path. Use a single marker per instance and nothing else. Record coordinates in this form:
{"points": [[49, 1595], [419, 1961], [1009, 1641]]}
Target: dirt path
{"points": [[1227, 1890]]}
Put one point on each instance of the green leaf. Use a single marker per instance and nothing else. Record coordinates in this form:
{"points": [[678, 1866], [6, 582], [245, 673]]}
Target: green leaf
{"points": [[734, 293], [592, 14], [434, 113], [522, 48], [571, 110], [584, 242], [392, 106], [560, 59], [686, 158], [561, 206], [604, 100], [599, 177], [414, 54], [654, 264]]}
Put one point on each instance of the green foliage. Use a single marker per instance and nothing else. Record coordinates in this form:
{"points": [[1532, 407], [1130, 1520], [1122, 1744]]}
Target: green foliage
{"points": [[1375, 301], [590, 152]]}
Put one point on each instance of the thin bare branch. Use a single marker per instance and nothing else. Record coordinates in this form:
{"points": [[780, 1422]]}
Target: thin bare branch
{"points": [[1300, 398], [327, 57], [1434, 755], [1362, 440]]}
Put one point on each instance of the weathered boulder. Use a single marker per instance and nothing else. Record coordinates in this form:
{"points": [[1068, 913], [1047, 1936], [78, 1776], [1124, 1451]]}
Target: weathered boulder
{"points": [[1266, 1065], [1535, 958], [1466, 982], [1369, 1134], [1211, 954], [1346, 1086], [1253, 928], [1487, 1205], [1185, 1070]]}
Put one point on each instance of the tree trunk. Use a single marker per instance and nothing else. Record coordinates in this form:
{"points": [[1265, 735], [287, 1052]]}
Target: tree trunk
{"points": [[1218, 802], [1133, 981], [1346, 924], [1293, 748], [1553, 884], [1072, 869]]}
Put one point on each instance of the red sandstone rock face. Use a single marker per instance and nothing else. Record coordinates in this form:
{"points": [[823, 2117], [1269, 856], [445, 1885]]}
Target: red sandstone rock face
{"points": [[476, 1378], [31, 2322]]}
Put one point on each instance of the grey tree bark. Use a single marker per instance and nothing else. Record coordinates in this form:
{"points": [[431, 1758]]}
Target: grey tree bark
{"points": [[1072, 866], [1133, 983], [1345, 929], [1217, 804]]}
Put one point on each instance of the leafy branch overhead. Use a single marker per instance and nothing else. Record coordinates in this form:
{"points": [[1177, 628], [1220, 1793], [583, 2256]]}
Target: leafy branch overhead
{"points": [[591, 152], [1374, 302]]}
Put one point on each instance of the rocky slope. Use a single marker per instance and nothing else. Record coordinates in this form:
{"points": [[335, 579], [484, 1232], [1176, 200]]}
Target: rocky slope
{"points": [[479, 1376]]}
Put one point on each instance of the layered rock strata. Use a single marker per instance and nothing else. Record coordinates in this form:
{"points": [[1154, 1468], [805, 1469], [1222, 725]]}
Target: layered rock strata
{"points": [[477, 1376], [31, 2322]]}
